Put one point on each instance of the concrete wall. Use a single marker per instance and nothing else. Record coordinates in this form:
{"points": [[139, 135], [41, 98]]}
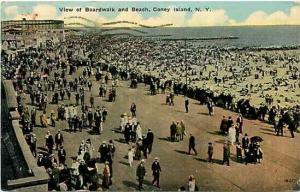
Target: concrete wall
{"points": [[16, 144]]}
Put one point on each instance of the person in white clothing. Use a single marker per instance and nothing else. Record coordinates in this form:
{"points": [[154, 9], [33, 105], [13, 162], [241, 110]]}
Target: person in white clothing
{"points": [[130, 156], [74, 167], [101, 126], [75, 111], [71, 111], [123, 121], [139, 134], [192, 183], [89, 147], [67, 112], [231, 134]]}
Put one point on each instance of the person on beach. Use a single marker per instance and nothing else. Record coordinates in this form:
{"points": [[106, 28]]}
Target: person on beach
{"points": [[156, 172], [141, 173], [226, 153], [186, 104], [192, 144], [210, 152]]}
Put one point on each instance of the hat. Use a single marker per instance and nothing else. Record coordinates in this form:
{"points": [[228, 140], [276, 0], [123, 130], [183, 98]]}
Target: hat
{"points": [[81, 161], [149, 129], [156, 158], [143, 161]]}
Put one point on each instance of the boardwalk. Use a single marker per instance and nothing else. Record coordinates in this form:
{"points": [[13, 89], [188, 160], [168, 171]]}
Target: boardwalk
{"points": [[279, 170]]}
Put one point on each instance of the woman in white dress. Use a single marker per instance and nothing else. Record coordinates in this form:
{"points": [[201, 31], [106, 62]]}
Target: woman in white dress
{"points": [[71, 111], [67, 112], [75, 111], [138, 131], [123, 121], [130, 156], [192, 183], [231, 134]]}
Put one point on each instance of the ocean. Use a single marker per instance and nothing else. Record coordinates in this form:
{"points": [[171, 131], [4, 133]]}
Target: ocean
{"points": [[248, 36]]}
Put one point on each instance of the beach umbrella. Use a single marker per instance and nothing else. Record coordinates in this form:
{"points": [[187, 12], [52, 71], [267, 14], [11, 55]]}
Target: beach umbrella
{"points": [[256, 138]]}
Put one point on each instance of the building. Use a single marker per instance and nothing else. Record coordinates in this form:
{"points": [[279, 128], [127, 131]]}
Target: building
{"points": [[22, 34], [33, 24]]}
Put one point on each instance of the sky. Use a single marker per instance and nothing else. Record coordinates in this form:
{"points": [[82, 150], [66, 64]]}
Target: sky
{"points": [[219, 13]]}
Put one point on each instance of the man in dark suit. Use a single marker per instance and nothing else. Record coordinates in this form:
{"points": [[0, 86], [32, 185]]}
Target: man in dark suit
{"points": [[90, 118], [279, 127], [173, 131], [59, 139], [103, 150], [150, 138], [292, 128], [127, 132], [210, 152], [40, 160], [140, 173], [98, 119], [156, 172], [229, 123], [32, 144], [61, 155], [49, 142], [192, 144], [145, 146], [224, 125], [245, 141], [226, 153], [186, 104]]}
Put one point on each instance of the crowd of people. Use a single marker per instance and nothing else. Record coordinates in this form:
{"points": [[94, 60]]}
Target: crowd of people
{"points": [[42, 76], [222, 71], [177, 131]]}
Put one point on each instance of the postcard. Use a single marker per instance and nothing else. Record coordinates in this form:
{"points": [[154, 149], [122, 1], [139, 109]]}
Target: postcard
{"points": [[150, 95]]}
